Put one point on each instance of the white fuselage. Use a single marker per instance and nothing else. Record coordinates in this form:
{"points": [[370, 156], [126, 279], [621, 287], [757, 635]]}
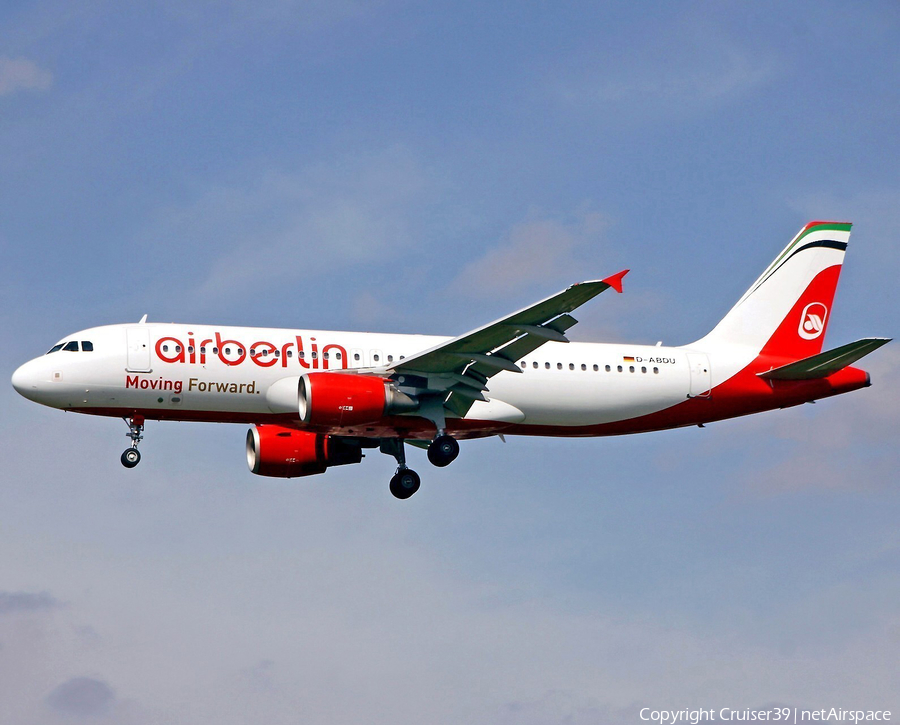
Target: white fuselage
{"points": [[198, 372]]}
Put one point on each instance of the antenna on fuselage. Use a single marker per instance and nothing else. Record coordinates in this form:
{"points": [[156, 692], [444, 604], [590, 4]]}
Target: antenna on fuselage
{"points": [[143, 320]]}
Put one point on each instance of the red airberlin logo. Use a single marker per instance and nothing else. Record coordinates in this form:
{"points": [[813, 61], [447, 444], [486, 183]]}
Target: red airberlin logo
{"points": [[262, 353], [812, 321]]}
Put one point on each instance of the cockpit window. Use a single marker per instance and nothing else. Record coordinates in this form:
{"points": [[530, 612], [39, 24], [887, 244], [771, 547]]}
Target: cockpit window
{"points": [[71, 347], [55, 348], [87, 346]]}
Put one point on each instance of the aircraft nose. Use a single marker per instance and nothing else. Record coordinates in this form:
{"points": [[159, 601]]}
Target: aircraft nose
{"points": [[26, 381]]}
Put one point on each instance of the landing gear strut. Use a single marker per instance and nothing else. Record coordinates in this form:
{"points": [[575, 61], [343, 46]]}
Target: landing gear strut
{"points": [[443, 450], [405, 481], [132, 456]]}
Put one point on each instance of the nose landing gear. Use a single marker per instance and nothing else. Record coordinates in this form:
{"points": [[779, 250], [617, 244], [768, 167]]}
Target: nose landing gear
{"points": [[132, 456]]}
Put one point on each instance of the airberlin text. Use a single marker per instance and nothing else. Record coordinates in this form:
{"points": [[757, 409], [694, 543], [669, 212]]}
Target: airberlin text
{"points": [[262, 353]]}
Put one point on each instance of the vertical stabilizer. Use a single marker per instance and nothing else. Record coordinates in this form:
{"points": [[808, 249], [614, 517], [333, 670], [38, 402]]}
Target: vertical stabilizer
{"points": [[785, 313]]}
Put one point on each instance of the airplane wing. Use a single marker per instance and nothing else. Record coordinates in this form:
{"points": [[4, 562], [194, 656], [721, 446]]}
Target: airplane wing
{"points": [[463, 365]]}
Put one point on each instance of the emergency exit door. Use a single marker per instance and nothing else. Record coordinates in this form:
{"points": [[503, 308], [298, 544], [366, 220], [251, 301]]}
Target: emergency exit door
{"points": [[138, 341]]}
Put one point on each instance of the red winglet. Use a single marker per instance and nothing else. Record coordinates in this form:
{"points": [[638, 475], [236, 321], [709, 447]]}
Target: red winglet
{"points": [[616, 280]]}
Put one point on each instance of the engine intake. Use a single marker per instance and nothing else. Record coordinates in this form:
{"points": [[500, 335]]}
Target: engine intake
{"points": [[273, 450], [341, 399]]}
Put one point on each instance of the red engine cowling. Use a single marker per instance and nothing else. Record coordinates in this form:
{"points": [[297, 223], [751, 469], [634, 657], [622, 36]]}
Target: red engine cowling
{"points": [[289, 453], [340, 400]]}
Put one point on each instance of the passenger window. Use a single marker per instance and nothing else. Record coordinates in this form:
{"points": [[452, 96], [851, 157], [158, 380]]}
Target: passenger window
{"points": [[390, 358], [355, 356], [583, 366], [619, 368], [325, 355], [631, 368], [643, 370], [337, 355], [547, 365], [522, 364], [597, 368], [87, 346], [71, 347], [55, 348], [559, 366], [656, 371], [608, 368], [571, 366], [534, 364], [376, 358]]}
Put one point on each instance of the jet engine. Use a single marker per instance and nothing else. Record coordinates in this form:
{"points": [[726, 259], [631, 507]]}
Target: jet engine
{"points": [[341, 399], [273, 450]]}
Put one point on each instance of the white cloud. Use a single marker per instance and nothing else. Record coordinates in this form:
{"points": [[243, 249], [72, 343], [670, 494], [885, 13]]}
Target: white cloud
{"points": [[20, 602], [82, 697], [847, 443], [677, 73], [540, 250], [281, 226], [17, 74]]}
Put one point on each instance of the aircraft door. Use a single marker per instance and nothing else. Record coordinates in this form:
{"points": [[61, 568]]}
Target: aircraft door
{"points": [[701, 377], [138, 342], [356, 358]]}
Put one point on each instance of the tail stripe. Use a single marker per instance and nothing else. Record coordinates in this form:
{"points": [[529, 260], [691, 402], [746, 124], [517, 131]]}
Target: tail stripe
{"points": [[828, 243], [793, 249]]}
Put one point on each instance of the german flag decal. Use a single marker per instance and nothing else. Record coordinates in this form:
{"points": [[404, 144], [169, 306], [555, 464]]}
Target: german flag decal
{"points": [[628, 358]]}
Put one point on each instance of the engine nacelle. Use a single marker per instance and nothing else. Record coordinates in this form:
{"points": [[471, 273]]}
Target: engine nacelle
{"points": [[273, 450], [341, 399]]}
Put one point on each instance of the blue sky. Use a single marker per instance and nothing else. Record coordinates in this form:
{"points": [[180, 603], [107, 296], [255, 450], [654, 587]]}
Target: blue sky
{"points": [[412, 167]]}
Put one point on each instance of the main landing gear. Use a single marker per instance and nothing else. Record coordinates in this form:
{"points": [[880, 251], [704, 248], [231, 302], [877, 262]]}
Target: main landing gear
{"points": [[442, 451], [405, 481], [132, 456]]}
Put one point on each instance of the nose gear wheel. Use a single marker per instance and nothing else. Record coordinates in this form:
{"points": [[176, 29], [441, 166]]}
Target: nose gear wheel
{"points": [[132, 456]]}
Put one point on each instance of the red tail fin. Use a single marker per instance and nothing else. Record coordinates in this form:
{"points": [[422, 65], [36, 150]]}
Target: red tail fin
{"points": [[802, 332], [785, 312]]}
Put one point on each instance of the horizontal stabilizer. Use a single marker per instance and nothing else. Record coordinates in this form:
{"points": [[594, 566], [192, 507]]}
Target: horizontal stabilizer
{"points": [[826, 363]]}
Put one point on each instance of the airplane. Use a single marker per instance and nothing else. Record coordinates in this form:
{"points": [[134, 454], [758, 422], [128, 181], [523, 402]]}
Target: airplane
{"points": [[316, 399]]}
